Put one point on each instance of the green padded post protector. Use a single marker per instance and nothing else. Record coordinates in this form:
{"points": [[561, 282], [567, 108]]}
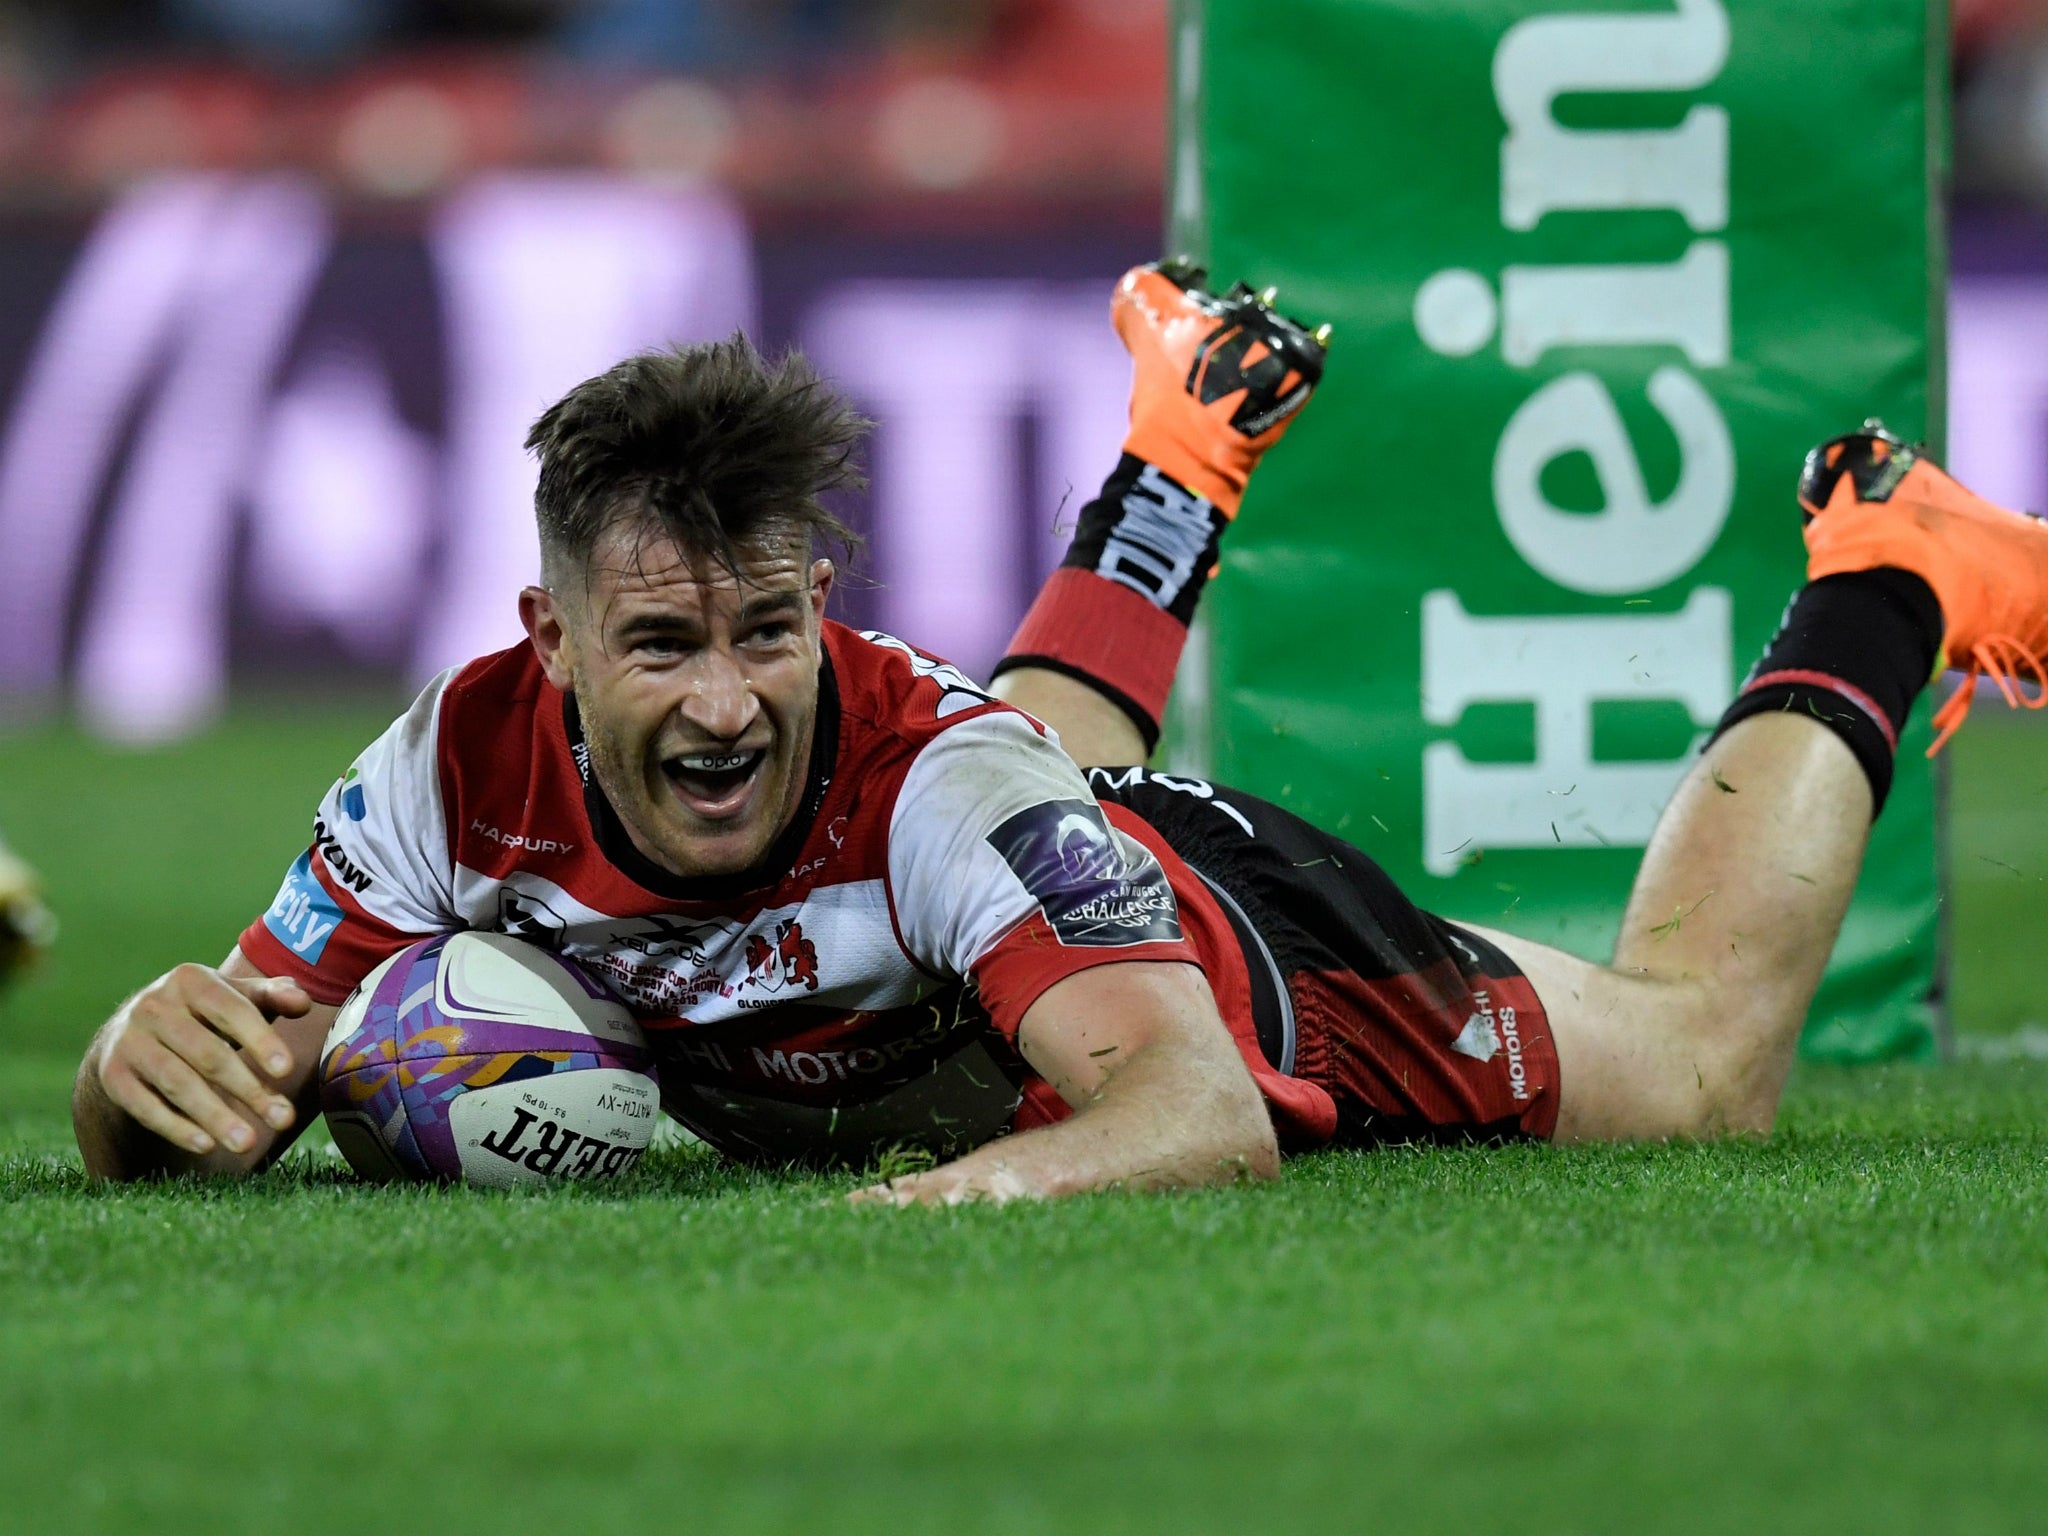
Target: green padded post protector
{"points": [[1600, 275]]}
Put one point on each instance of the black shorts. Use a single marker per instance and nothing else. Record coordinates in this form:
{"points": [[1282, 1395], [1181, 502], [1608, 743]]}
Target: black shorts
{"points": [[1418, 1028]]}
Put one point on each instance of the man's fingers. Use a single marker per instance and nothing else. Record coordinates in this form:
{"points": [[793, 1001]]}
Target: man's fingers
{"points": [[147, 1109], [222, 1065], [186, 1091], [276, 995], [996, 1185], [898, 1192], [233, 1012]]}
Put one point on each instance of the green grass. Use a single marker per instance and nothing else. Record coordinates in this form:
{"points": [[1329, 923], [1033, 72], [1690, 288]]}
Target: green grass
{"points": [[1843, 1329], [1998, 871]]}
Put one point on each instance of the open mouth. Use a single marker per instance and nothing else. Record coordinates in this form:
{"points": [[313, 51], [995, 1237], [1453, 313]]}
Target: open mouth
{"points": [[714, 783]]}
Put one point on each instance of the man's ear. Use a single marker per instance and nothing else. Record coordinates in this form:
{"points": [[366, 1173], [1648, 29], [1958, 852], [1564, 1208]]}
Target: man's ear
{"points": [[823, 573], [547, 627]]}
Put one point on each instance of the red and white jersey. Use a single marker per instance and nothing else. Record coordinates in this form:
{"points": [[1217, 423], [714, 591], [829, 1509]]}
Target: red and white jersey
{"points": [[860, 989]]}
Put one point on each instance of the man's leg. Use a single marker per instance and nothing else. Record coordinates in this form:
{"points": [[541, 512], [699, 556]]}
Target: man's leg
{"points": [[1095, 732], [1216, 381], [1691, 1030]]}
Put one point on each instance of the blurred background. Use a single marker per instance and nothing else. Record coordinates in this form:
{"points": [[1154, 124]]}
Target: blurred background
{"points": [[282, 283]]}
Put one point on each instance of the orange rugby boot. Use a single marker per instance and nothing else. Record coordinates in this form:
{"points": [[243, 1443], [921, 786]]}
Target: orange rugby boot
{"points": [[1872, 500], [1216, 380]]}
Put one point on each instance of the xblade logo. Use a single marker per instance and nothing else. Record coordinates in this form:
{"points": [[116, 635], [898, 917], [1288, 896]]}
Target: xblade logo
{"points": [[521, 916]]}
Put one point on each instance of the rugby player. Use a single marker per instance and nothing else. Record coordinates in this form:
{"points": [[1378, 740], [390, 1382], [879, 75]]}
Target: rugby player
{"points": [[861, 903]]}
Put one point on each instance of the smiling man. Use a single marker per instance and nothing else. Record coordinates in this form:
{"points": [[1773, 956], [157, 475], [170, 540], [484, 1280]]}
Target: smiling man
{"points": [[861, 904], [858, 903]]}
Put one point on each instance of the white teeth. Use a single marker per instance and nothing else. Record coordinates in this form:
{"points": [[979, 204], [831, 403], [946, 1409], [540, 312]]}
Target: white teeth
{"points": [[716, 762]]}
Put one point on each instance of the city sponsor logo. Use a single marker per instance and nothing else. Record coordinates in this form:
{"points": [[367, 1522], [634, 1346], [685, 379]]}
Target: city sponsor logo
{"points": [[555, 1149], [1095, 890], [303, 916], [346, 869], [519, 842]]}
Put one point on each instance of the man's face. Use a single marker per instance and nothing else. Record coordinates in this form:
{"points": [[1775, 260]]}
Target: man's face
{"points": [[698, 689]]}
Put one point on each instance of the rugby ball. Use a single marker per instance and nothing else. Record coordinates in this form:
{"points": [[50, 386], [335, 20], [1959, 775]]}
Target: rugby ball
{"points": [[476, 1057]]}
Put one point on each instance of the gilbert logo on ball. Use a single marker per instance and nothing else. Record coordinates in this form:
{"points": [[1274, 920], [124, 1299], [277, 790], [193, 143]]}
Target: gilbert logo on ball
{"points": [[474, 1056]]}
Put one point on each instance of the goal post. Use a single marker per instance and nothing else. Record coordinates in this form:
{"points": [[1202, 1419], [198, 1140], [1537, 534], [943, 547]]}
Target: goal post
{"points": [[1600, 274]]}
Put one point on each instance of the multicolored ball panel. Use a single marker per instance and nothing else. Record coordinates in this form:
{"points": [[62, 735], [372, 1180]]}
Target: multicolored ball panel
{"points": [[476, 1056]]}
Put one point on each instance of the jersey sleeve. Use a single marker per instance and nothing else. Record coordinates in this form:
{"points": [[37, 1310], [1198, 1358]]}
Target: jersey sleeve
{"points": [[1004, 869], [379, 873]]}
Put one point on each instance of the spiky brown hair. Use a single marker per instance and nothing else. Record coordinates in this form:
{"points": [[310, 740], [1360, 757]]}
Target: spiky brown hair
{"points": [[709, 445]]}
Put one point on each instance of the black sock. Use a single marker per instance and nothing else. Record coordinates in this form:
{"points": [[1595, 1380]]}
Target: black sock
{"points": [[1115, 614], [1150, 533], [1853, 652]]}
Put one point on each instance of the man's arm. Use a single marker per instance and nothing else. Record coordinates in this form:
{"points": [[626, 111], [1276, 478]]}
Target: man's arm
{"points": [[1161, 1097], [203, 1070]]}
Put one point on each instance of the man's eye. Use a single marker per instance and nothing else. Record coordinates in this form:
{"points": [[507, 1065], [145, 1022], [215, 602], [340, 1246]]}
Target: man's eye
{"points": [[660, 645], [770, 634]]}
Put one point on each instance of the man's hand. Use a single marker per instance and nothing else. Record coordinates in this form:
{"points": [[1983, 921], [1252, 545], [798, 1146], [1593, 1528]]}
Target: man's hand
{"points": [[194, 1060], [1161, 1098], [26, 926], [954, 1184]]}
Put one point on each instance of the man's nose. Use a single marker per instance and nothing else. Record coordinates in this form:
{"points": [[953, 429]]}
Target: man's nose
{"points": [[719, 700]]}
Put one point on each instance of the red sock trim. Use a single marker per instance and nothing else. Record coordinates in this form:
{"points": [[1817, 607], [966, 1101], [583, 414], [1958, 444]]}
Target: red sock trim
{"points": [[1102, 631], [1849, 691]]}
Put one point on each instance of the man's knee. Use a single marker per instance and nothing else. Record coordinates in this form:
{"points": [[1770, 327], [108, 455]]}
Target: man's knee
{"points": [[1659, 1061], [1729, 1079]]}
